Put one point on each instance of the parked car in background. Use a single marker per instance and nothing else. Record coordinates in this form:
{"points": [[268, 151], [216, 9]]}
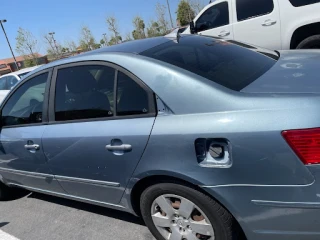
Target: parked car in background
{"points": [[272, 24], [7, 81], [204, 138]]}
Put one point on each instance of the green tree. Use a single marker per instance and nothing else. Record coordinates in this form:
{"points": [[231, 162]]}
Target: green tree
{"points": [[185, 14], [102, 42], [113, 27], [128, 37], [115, 40], [162, 18], [139, 31], [26, 45], [154, 30], [87, 41], [71, 45]]}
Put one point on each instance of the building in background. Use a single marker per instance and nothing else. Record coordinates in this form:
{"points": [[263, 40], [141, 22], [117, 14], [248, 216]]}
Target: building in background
{"points": [[7, 65]]}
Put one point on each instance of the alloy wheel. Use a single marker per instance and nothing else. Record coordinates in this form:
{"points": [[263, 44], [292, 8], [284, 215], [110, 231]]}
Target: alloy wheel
{"points": [[177, 218]]}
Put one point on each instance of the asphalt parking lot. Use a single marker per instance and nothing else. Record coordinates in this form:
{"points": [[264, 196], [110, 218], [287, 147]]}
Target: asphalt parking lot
{"points": [[37, 217]]}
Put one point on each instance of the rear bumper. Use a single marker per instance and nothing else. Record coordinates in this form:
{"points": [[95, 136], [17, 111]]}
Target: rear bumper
{"points": [[274, 212]]}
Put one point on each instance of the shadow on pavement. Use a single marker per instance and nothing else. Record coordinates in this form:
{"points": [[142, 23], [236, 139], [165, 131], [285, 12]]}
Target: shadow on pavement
{"points": [[89, 208], [2, 224], [17, 194]]}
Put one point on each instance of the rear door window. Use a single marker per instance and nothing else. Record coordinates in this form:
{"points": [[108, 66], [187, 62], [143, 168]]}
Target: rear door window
{"points": [[247, 9], [300, 3], [132, 99]]}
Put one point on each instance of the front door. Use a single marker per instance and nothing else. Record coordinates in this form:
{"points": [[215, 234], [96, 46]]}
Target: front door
{"points": [[22, 160], [100, 126], [258, 23], [216, 21]]}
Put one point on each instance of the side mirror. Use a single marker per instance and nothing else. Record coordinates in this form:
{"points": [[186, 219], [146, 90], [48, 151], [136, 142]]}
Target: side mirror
{"points": [[192, 28]]}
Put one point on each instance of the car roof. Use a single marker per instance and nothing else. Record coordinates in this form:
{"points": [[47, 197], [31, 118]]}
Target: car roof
{"points": [[130, 47]]}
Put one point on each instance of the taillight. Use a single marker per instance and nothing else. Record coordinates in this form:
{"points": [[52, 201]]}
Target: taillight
{"points": [[305, 143]]}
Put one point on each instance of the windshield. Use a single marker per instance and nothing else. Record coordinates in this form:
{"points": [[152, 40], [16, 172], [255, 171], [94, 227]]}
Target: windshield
{"points": [[225, 63], [21, 76]]}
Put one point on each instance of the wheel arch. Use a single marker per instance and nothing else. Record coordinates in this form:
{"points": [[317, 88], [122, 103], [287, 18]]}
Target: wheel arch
{"points": [[304, 32], [148, 181]]}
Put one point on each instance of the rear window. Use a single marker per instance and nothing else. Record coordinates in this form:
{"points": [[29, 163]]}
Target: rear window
{"points": [[247, 9], [300, 3], [222, 62]]}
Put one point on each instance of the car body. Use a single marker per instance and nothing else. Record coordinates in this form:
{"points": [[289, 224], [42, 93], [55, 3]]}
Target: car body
{"points": [[8, 81], [271, 24], [196, 134]]}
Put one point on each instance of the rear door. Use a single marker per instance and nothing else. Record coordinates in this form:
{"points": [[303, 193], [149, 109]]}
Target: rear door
{"points": [[257, 23], [101, 117], [216, 21]]}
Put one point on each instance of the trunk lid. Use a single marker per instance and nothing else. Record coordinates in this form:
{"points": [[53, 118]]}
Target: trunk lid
{"points": [[296, 71]]}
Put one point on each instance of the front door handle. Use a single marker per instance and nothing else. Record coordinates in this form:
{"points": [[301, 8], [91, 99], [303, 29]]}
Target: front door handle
{"points": [[269, 22], [123, 147], [32, 147], [224, 33]]}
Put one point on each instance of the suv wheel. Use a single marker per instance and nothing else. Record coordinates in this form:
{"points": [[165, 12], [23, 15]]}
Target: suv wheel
{"points": [[312, 42], [177, 212]]}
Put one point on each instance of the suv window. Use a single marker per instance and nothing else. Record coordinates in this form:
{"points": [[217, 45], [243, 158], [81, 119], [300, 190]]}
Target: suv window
{"points": [[252, 8], [11, 81], [213, 59], [132, 99], [25, 104], [84, 92], [216, 16], [300, 3], [3, 81]]}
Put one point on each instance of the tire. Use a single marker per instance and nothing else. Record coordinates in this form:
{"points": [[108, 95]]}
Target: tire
{"points": [[312, 42], [4, 192], [223, 224]]}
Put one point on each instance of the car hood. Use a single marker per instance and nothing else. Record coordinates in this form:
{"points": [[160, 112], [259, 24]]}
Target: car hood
{"points": [[296, 71]]}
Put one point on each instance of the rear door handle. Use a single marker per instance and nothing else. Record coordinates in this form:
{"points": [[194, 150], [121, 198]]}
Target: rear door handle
{"points": [[224, 33], [32, 147], [269, 22], [123, 147]]}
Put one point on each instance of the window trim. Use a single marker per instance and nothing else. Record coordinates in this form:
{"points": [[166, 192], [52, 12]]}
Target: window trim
{"points": [[45, 99], [229, 16], [256, 16], [117, 68]]}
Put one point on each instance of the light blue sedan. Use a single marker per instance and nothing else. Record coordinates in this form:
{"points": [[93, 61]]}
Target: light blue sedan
{"points": [[206, 139]]}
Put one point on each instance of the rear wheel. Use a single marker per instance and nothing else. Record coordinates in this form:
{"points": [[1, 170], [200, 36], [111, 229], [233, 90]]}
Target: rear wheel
{"points": [[312, 42], [176, 212]]}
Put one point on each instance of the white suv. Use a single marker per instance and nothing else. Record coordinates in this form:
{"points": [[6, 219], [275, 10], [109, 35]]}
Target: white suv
{"points": [[273, 24]]}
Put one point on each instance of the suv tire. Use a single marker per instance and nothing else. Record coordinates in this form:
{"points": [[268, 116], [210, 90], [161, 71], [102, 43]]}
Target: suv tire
{"points": [[312, 42]]}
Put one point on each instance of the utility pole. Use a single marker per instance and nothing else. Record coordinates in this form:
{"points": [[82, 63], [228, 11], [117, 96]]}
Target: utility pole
{"points": [[54, 41], [170, 14], [5, 34]]}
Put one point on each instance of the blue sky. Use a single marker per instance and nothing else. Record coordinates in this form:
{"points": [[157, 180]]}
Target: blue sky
{"points": [[66, 17]]}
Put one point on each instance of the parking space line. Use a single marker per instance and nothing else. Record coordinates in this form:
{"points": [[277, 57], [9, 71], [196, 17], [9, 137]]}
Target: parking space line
{"points": [[6, 236]]}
